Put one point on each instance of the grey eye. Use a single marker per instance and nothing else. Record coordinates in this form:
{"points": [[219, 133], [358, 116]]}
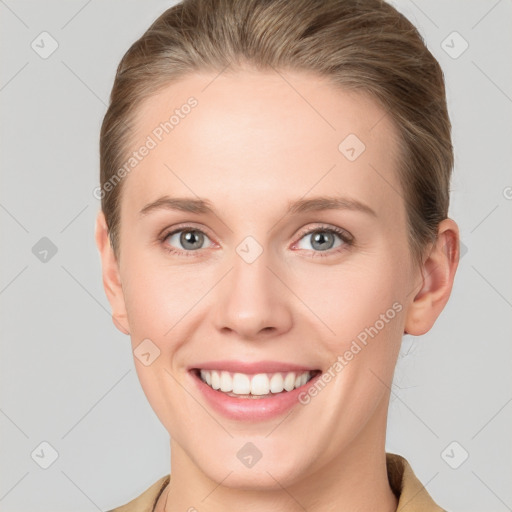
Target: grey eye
{"points": [[321, 240], [189, 239]]}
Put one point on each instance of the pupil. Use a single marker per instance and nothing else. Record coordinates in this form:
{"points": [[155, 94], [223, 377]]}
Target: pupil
{"points": [[192, 238], [321, 238]]}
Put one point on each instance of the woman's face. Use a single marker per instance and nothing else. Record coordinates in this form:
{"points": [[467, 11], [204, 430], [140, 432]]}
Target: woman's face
{"points": [[264, 277]]}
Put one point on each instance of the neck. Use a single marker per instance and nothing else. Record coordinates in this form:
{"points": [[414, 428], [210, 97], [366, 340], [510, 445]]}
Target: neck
{"points": [[353, 480]]}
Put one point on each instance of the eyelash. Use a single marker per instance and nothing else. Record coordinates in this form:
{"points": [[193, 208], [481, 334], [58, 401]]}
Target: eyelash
{"points": [[344, 236], [347, 240]]}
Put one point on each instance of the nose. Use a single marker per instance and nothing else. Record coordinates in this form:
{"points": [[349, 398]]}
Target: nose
{"points": [[252, 301]]}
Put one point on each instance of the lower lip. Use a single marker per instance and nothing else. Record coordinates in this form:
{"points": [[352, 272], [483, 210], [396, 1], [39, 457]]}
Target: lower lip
{"points": [[251, 409]]}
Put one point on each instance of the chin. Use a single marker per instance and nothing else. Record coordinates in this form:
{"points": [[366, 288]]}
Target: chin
{"points": [[264, 474]]}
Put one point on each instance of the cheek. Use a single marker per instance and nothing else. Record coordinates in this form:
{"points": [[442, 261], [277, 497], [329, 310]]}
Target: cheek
{"points": [[343, 298], [353, 295], [159, 296], [361, 308]]}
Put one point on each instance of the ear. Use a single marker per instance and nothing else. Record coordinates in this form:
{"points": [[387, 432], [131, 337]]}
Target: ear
{"points": [[111, 277], [437, 275]]}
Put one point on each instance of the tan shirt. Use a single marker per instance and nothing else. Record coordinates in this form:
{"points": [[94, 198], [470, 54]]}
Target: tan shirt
{"points": [[412, 496]]}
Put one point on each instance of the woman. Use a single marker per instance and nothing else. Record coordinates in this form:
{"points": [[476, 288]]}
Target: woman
{"points": [[275, 188]]}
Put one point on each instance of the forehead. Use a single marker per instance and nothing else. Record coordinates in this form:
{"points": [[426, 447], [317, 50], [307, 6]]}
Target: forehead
{"points": [[255, 138]]}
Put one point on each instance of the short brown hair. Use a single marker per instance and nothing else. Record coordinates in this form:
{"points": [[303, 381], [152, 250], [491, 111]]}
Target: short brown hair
{"points": [[361, 45]]}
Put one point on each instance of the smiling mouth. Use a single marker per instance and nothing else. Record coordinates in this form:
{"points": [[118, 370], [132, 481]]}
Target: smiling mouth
{"points": [[260, 385]]}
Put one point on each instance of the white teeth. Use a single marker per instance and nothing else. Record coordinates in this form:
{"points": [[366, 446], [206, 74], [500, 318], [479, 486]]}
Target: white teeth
{"points": [[226, 383], [241, 383], [276, 383], [259, 384], [215, 380], [289, 382], [203, 377]]}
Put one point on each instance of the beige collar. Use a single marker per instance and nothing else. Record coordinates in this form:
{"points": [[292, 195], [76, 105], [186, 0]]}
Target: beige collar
{"points": [[412, 495]]}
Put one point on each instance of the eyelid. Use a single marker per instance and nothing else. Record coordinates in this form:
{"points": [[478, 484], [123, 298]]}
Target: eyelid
{"points": [[343, 234], [348, 241], [166, 232]]}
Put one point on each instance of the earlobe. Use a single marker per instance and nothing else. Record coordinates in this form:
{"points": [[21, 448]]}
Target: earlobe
{"points": [[110, 275], [438, 273]]}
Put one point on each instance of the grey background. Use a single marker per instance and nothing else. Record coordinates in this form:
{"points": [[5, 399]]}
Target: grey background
{"points": [[67, 375]]}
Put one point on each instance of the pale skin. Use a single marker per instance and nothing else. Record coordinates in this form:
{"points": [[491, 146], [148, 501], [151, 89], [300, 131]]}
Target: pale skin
{"points": [[251, 146]]}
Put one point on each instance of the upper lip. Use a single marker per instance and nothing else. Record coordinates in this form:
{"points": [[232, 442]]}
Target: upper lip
{"points": [[251, 367]]}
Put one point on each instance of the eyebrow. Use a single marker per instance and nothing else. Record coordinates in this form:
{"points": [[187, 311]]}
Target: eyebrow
{"points": [[203, 206]]}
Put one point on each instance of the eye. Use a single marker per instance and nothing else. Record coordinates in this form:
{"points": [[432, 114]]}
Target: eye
{"points": [[323, 239], [184, 240], [187, 240]]}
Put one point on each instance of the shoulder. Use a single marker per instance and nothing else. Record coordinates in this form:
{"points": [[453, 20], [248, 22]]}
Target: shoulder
{"points": [[406, 486], [145, 502]]}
